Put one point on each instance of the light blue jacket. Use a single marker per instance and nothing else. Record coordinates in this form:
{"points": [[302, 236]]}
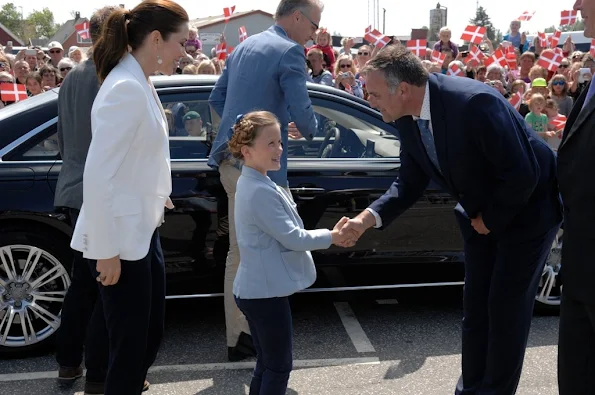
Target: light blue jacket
{"points": [[266, 71], [275, 257]]}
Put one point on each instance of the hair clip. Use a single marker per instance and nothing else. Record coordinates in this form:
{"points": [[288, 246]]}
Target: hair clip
{"points": [[239, 118]]}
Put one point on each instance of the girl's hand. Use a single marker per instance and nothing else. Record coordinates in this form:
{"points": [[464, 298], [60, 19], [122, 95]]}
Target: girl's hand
{"points": [[109, 270]]}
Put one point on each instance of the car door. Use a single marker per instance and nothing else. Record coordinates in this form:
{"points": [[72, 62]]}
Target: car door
{"points": [[351, 162]]}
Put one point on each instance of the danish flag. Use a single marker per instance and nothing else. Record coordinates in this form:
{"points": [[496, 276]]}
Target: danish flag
{"points": [[12, 92], [221, 51], [554, 39], [474, 34], [227, 11], [543, 41], [438, 57], [516, 100], [455, 71], [377, 39], [568, 17], [559, 122], [526, 16], [243, 33], [550, 60], [592, 50], [83, 30], [418, 47], [511, 61], [497, 57], [368, 30], [475, 54]]}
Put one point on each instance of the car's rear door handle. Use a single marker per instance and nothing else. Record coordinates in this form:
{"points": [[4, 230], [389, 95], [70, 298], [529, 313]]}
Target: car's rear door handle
{"points": [[305, 193]]}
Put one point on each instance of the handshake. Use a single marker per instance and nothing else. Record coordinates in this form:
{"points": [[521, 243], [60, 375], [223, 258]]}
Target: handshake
{"points": [[347, 231]]}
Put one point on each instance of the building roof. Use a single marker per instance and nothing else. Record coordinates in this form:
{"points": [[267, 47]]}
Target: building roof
{"points": [[215, 20], [11, 34], [66, 30]]}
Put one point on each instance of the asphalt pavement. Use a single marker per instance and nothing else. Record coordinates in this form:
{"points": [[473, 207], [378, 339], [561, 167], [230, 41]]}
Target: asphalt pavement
{"points": [[403, 342]]}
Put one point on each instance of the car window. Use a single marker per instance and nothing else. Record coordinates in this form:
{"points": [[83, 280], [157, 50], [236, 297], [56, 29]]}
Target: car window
{"points": [[43, 147], [190, 125], [343, 135]]}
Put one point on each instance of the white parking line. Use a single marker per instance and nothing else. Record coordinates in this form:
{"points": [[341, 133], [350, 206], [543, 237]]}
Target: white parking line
{"points": [[303, 363], [387, 301], [354, 329]]}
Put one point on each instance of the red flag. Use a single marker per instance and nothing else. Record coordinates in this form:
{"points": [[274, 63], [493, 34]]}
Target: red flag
{"points": [[549, 60], [368, 30], [455, 70], [438, 57], [227, 11], [497, 57], [516, 100], [12, 92], [83, 30], [543, 41], [568, 17], [511, 61], [418, 47], [526, 16], [377, 39], [474, 34], [243, 33], [221, 51], [592, 50], [559, 122], [475, 54], [554, 39]]}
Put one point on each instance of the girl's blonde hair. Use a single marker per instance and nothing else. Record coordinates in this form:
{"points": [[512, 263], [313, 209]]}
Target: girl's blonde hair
{"points": [[247, 128], [204, 66], [536, 98], [518, 83], [342, 58], [321, 33]]}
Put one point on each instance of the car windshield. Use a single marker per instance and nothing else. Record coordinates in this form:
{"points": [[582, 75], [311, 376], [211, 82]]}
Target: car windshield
{"points": [[28, 104]]}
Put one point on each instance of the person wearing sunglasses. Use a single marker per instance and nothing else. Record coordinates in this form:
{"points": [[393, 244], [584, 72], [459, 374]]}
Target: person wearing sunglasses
{"points": [[56, 52], [345, 76], [364, 53], [65, 66], [559, 93]]}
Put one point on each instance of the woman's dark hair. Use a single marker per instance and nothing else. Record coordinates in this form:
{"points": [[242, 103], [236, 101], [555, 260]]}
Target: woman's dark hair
{"points": [[48, 68], [125, 29], [34, 75]]}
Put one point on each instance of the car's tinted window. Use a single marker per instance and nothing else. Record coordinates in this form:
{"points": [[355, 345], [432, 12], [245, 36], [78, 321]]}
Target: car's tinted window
{"points": [[42, 147], [345, 134]]}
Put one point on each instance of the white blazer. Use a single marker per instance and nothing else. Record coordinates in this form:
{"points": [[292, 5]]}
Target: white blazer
{"points": [[127, 177]]}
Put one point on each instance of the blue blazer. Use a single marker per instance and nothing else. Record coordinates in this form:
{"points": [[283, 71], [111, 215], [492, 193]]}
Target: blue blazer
{"points": [[265, 72], [274, 246], [492, 162]]}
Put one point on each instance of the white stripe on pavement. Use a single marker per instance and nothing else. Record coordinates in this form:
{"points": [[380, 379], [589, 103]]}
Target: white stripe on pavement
{"points": [[304, 363], [387, 301], [354, 329]]}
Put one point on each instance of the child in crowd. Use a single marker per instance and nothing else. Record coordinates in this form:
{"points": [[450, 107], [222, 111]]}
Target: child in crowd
{"points": [[323, 42], [193, 39], [556, 121], [518, 86], [536, 119]]}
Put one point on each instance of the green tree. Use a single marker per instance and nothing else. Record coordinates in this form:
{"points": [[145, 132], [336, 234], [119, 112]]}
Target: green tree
{"points": [[579, 25], [482, 19], [11, 18], [43, 23]]}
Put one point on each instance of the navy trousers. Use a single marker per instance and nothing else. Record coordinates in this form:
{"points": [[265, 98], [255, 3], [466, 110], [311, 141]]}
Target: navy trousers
{"points": [[79, 307], [271, 327], [134, 310], [501, 280]]}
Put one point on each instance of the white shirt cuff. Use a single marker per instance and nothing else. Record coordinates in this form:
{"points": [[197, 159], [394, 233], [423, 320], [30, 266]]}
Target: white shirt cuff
{"points": [[378, 219]]}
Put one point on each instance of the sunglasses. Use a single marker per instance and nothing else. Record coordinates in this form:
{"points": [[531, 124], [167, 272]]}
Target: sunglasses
{"points": [[563, 66], [560, 83], [345, 66], [56, 51], [65, 68], [363, 53]]}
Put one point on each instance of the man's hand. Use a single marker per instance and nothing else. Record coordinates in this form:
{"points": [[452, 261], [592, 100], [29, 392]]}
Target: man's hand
{"points": [[343, 239], [479, 226], [109, 270], [358, 225], [293, 131]]}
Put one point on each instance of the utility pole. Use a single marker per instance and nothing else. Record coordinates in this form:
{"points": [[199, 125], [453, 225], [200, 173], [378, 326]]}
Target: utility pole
{"points": [[383, 20]]}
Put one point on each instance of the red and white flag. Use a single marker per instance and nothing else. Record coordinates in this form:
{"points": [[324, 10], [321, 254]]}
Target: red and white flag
{"points": [[497, 57], [559, 122], [438, 57], [474, 34], [592, 50], [554, 39], [475, 54], [550, 60], [243, 34], [559, 51], [377, 39], [227, 11], [516, 100], [418, 47], [568, 17], [511, 61], [12, 92], [526, 16], [221, 51], [455, 70], [543, 41], [83, 30]]}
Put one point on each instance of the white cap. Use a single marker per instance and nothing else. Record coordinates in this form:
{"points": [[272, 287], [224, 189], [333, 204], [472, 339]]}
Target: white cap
{"points": [[55, 44]]}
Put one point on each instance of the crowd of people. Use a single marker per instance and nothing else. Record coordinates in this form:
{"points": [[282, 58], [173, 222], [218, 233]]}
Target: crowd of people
{"points": [[116, 183]]}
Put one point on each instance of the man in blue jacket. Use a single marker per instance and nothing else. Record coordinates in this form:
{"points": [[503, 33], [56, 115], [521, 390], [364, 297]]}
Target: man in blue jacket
{"points": [[468, 139], [265, 72]]}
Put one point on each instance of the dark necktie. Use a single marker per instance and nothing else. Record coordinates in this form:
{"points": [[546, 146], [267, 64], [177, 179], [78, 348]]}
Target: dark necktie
{"points": [[428, 140]]}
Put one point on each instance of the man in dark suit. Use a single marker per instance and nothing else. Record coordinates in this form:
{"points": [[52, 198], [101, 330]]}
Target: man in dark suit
{"points": [[576, 348], [466, 137]]}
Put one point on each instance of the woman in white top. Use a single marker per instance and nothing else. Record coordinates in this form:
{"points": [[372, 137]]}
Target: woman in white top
{"points": [[275, 261], [127, 183]]}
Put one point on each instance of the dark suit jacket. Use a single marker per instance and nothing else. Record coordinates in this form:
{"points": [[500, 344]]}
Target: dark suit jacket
{"points": [[75, 101], [492, 162], [576, 166]]}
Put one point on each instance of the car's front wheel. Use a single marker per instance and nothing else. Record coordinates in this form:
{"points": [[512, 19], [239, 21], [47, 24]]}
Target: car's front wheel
{"points": [[549, 292], [34, 278]]}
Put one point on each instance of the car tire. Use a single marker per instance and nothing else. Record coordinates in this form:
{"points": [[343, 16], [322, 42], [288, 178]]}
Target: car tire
{"points": [[549, 291], [34, 291]]}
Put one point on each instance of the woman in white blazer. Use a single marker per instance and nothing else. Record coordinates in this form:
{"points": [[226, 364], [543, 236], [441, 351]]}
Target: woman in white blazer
{"points": [[275, 261], [127, 183]]}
